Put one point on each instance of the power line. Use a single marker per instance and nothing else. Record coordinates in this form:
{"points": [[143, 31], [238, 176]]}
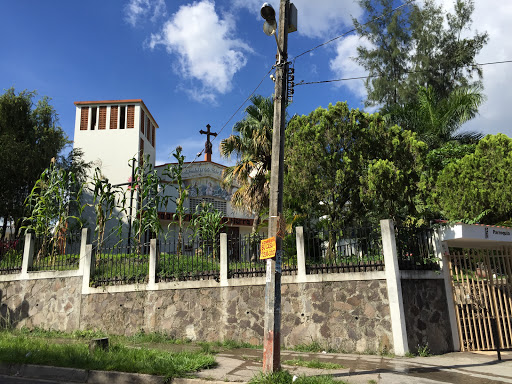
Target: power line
{"points": [[354, 29], [233, 115], [405, 72]]}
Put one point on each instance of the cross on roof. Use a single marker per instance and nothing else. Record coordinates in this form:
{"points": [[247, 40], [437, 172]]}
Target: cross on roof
{"points": [[208, 144]]}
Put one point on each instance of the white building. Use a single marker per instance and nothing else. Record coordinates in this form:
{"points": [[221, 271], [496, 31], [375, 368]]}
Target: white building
{"points": [[112, 132]]}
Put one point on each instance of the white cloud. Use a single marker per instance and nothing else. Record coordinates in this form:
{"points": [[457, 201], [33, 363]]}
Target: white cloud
{"points": [[494, 17], [206, 49], [344, 66], [315, 18], [136, 10]]}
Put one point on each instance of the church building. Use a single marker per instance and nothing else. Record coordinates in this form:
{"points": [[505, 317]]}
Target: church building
{"points": [[111, 132]]}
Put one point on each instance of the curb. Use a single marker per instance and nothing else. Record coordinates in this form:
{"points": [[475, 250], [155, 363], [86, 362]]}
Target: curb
{"points": [[74, 375]]}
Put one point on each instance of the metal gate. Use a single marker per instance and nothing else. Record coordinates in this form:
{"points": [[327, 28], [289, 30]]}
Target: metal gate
{"points": [[482, 292]]}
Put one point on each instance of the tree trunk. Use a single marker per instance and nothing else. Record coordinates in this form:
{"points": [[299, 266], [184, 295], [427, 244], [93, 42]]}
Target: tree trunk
{"points": [[4, 227], [254, 241]]}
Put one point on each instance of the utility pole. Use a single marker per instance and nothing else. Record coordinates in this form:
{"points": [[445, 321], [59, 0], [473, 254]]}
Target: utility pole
{"points": [[272, 332]]}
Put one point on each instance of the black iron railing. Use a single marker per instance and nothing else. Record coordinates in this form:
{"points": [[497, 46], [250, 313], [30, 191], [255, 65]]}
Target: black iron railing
{"points": [[120, 264], [346, 250], [415, 248], [11, 255], [194, 259], [57, 253], [244, 256]]}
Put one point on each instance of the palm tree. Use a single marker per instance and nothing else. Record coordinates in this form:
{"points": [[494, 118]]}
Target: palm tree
{"points": [[252, 146], [437, 120]]}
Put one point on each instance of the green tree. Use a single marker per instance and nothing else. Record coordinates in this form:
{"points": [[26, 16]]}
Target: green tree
{"points": [[477, 187], [437, 120], [417, 46], [350, 167], [252, 146], [207, 222], [29, 138]]}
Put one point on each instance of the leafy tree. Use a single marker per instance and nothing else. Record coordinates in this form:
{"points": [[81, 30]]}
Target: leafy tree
{"points": [[477, 187], [417, 46], [29, 138], [350, 167], [438, 120], [252, 146]]}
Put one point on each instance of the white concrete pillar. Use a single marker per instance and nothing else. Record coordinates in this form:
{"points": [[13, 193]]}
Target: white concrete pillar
{"points": [[444, 258], [153, 254], [28, 253], [83, 242], [396, 304], [88, 268], [301, 254], [224, 259]]}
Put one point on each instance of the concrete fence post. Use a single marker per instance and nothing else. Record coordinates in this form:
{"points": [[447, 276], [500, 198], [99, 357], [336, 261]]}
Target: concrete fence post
{"points": [[83, 242], [444, 259], [153, 255], [88, 268], [396, 304], [223, 259], [28, 253], [301, 254]]}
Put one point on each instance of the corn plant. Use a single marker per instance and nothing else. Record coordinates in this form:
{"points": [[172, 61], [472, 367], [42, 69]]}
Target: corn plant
{"points": [[174, 173], [107, 201], [48, 205], [207, 224], [150, 197]]}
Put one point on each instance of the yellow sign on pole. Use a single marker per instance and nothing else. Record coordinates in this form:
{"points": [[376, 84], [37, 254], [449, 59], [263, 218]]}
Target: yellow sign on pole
{"points": [[268, 248]]}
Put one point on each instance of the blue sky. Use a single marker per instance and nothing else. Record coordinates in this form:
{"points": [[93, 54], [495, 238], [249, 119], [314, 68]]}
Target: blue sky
{"points": [[195, 62]]}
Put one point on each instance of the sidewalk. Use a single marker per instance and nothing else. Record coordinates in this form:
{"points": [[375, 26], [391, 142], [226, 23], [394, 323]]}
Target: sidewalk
{"points": [[467, 368], [240, 365]]}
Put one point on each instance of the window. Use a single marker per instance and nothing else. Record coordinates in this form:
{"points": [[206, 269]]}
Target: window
{"points": [[84, 118], [142, 120], [122, 117], [113, 117], [217, 204], [94, 120], [130, 117], [153, 135], [103, 118], [141, 152]]}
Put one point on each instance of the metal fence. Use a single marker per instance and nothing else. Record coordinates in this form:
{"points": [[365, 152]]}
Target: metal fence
{"points": [[120, 264], [347, 250], [415, 248], [195, 259], [57, 253], [11, 255], [244, 256]]}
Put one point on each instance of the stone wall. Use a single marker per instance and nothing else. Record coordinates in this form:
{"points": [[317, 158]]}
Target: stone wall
{"points": [[46, 303], [345, 315], [426, 315]]}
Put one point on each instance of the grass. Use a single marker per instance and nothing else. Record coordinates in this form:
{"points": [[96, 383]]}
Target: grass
{"points": [[315, 363], [25, 348], [284, 377]]}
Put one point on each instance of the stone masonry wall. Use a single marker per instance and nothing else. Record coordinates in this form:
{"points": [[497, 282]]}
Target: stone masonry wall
{"points": [[426, 315], [350, 315], [46, 303]]}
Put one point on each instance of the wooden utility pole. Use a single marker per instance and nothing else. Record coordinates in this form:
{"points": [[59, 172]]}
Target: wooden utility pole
{"points": [[272, 332]]}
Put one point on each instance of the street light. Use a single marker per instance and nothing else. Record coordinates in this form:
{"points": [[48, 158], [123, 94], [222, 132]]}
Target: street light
{"points": [[272, 331]]}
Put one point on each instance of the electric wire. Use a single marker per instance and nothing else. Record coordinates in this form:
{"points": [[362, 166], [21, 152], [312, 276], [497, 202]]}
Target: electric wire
{"points": [[354, 29], [405, 72], [231, 117]]}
